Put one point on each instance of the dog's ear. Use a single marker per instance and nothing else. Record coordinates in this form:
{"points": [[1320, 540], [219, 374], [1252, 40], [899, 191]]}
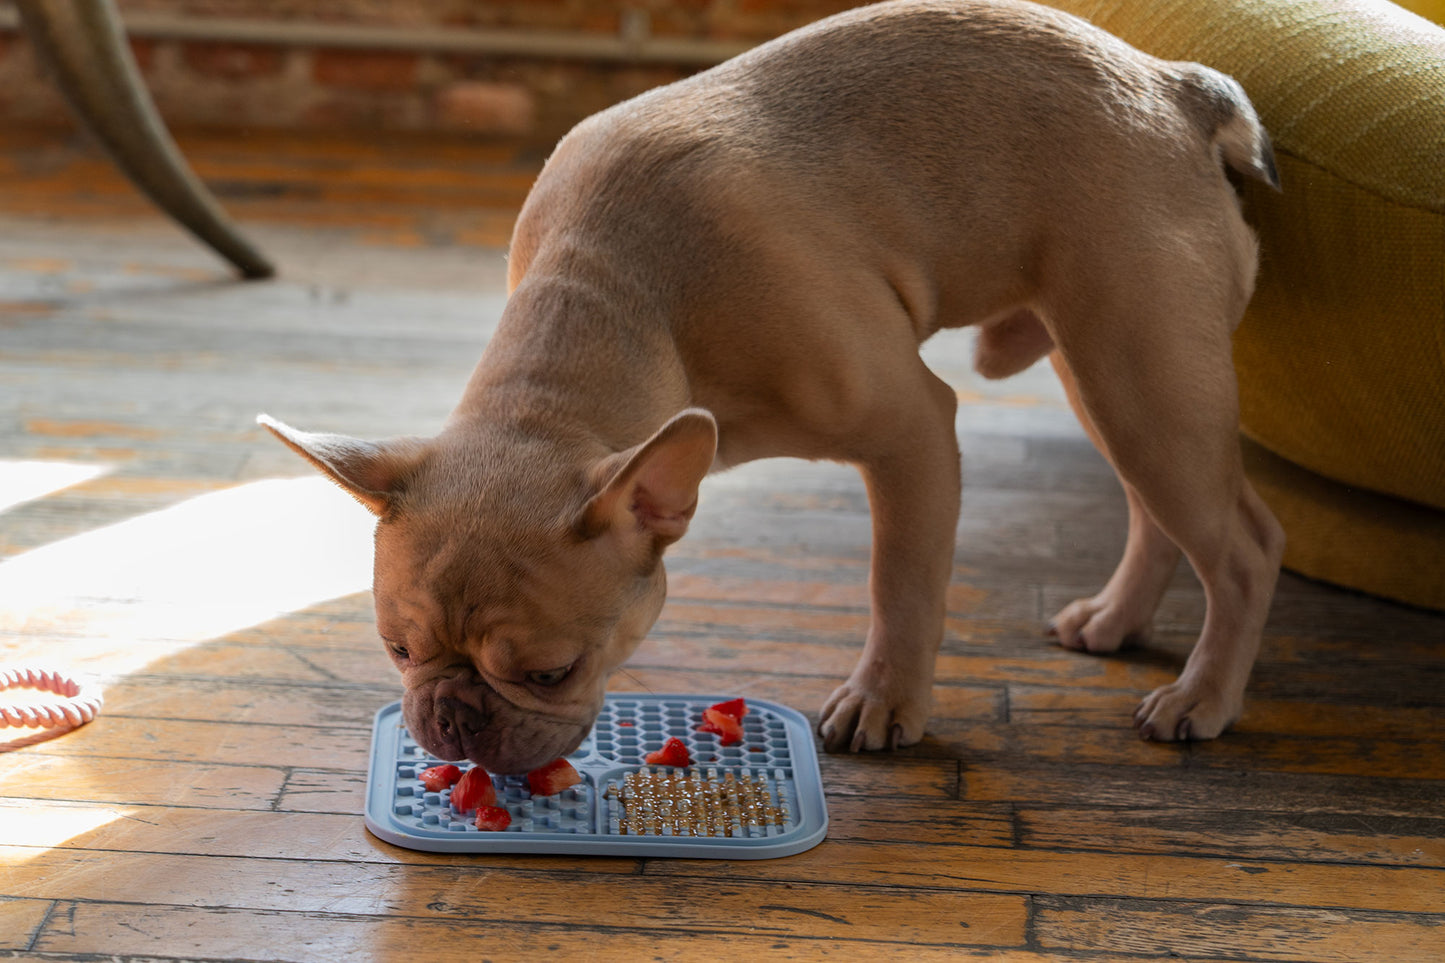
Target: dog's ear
{"points": [[373, 472], [651, 490]]}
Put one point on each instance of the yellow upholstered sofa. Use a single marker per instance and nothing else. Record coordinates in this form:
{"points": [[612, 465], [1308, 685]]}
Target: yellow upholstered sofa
{"points": [[1341, 356]]}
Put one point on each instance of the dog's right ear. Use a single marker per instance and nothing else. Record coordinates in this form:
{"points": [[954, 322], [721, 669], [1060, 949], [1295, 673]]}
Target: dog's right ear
{"points": [[650, 492], [371, 471]]}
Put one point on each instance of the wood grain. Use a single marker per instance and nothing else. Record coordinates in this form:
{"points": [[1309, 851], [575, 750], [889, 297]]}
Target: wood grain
{"points": [[1216, 928]]}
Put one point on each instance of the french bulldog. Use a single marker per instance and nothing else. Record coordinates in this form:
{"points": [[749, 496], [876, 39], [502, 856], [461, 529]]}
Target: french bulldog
{"points": [[743, 265]]}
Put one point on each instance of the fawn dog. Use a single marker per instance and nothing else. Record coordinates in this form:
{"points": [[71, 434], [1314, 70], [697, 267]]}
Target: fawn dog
{"points": [[742, 265]]}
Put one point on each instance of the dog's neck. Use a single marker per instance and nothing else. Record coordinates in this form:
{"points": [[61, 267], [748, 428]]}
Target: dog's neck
{"points": [[577, 359]]}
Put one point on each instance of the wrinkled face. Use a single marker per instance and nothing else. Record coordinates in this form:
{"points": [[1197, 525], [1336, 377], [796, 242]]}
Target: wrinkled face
{"points": [[506, 640], [514, 572]]}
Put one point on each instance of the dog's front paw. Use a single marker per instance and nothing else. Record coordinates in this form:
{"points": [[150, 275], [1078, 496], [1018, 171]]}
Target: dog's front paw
{"points": [[869, 714], [1179, 712]]}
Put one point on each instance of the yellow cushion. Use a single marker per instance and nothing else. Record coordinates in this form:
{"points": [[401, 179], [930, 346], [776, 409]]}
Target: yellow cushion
{"points": [[1341, 356], [1429, 9], [1377, 544]]}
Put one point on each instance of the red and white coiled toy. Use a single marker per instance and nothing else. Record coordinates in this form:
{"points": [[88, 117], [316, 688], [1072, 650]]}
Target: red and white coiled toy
{"points": [[73, 705]]}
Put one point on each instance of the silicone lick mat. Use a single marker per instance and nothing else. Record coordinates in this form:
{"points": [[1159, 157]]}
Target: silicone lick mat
{"points": [[775, 766]]}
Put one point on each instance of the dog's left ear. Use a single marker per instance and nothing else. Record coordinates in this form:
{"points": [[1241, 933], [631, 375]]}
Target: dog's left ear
{"points": [[373, 472], [651, 490]]}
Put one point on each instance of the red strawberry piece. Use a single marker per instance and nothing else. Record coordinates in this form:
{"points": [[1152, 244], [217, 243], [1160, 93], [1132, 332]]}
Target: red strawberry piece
{"points": [[673, 753], [726, 726], [493, 818], [552, 778], [737, 708], [438, 778], [475, 789]]}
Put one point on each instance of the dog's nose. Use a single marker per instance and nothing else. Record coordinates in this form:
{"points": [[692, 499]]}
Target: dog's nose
{"points": [[457, 722]]}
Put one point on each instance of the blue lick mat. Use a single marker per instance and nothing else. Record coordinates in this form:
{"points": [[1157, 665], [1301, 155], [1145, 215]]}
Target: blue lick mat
{"points": [[764, 797]]}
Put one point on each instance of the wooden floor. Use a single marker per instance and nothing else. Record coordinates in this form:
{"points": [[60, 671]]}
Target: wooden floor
{"points": [[157, 539]]}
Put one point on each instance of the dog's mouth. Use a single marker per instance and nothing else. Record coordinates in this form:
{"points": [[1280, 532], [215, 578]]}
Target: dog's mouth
{"points": [[469, 720]]}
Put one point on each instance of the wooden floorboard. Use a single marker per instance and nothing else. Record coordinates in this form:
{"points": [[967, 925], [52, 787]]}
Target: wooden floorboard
{"points": [[159, 540]]}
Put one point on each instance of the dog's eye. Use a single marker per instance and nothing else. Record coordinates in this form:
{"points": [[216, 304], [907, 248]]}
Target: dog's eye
{"points": [[399, 651], [549, 676]]}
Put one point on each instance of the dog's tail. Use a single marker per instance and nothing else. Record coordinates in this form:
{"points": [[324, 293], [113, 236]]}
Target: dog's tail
{"points": [[1219, 105]]}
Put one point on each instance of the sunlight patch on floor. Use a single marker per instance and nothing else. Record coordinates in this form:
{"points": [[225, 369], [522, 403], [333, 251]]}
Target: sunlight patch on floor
{"points": [[26, 480], [34, 827], [112, 600]]}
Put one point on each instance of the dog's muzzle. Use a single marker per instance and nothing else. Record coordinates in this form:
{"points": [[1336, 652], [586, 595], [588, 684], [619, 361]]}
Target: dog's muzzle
{"points": [[464, 718], [457, 725]]}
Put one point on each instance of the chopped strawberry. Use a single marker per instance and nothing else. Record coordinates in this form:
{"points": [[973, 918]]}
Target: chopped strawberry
{"points": [[438, 778], [493, 818], [737, 708], [726, 726], [475, 789], [552, 778], [673, 753]]}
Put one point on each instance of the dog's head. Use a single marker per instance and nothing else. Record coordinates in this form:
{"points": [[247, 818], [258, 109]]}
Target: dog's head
{"points": [[513, 576]]}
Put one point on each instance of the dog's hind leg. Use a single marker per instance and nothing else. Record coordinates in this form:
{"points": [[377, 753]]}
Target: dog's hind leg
{"points": [[1123, 610], [1160, 393]]}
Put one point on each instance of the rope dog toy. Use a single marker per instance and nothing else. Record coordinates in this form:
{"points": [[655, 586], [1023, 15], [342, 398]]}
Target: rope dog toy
{"points": [[73, 707]]}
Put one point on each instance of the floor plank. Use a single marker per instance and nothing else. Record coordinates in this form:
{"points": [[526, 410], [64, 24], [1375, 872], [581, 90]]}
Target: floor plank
{"points": [[1261, 933], [503, 895], [1139, 876], [215, 934]]}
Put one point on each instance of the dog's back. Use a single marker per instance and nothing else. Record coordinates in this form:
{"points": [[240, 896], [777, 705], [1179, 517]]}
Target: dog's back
{"points": [[966, 122]]}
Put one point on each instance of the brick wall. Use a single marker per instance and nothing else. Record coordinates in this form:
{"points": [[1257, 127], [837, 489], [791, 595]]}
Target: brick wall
{"points": [[208, 78]]}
